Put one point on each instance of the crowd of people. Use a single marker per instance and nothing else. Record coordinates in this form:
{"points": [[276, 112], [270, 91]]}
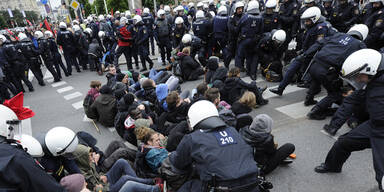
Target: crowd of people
{"points": [[202, 139]]}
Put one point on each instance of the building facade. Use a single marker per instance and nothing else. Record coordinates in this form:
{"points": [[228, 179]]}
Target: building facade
{"points": [[26, 5]]}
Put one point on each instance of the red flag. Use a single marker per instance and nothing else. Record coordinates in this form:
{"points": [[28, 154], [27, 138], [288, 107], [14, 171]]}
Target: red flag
{"points": [[11, 33], [16, 104], [47, 25], [41, 25], [112, 12], [29, 23]]}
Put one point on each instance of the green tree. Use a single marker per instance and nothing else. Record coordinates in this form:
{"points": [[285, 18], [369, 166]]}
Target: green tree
{"points": [[117, 5], [3, 23]]}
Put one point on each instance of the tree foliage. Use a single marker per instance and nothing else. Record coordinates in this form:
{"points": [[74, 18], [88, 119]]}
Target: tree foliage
{"points": [[18, 19]]}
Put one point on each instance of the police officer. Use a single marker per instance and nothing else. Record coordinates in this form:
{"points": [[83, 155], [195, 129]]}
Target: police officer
{"points": [[363, 69], [31, 55], [47, 54], [67, 41], [124, 40], [288, 18], [180, 13], [7, 78], [327, 62], [162, 35], [328, 9], [250, 29], [134, 48], [316, 30], [202, 28], [109, 38], [270, 50], [142, 41], [375, 23], [58, 144], [367, 11], [168, 15], [271, 18], [220, 31], [22, 173], [149, 23], [233, 24], [225, 161], [178, 31], [58, 62], [196, 46], [192, 10], [81, 45], [92, 25], [345, 15]]}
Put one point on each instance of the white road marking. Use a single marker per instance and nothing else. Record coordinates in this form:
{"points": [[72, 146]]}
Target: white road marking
{"points": [[112, 129], [62, 90], [78, 105], [50, 80], [296, 110], [288, 89], [72, 95], [47, 75], [30, 75], [57, 84]]}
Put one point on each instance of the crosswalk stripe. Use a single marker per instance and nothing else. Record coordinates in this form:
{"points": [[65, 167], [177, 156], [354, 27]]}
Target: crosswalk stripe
{"points": [[62, 90], [30, 75], [78, 105], [47, 75], [288, 89], [60, 83], [72, 95], [296, 110], [50, 80]]}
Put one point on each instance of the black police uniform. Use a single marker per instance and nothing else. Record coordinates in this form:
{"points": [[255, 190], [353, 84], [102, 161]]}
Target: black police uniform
{"points": [[82, 47], [288, 14], [31, 55], [202, 28], [220, 34], [149, 22], [142, 40], [271, 21], [135, 48], [344, 16], [162, 35], [328, 10], [216, 150], [21, 173], [375, 24], [67, 41], [233, 34], [48, 56], [331, 53], [177, 35], [58, 61]]}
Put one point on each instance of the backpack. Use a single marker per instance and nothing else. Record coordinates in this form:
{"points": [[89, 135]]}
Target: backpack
{"points": [[88, 100], [142, 168]]}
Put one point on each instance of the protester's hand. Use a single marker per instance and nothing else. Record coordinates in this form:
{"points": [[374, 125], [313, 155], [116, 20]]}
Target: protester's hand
{"points": [[104, 179], [95, 157], [187, 100]]}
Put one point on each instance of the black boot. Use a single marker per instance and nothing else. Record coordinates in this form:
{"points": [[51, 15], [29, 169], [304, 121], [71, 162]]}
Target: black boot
{"points": [[309, 101], [330, 129], [324, 169], [316, 113], [277, 91]]}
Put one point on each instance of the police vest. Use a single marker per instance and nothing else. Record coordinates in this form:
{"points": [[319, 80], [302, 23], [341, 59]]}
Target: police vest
{"points": [[162, 28]]}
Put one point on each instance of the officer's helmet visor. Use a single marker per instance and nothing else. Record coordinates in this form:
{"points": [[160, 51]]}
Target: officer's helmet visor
{"points": [[355, 81], [14, 129]]}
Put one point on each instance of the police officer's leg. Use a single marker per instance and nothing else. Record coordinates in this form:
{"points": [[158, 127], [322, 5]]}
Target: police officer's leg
{"points": [[356, 140], [92, 64], [201, 55], [128, 57], [60, 63], [35, 68], [49, 65], [75, 62], [168, 48], [22, 75], [230, 54], [377, 144], [68, 61], [142, 50], [117, 55], [13, 77], [151, 39], [112, 50], [135, 52], [240, 55], [162, 47], [287, 78]]}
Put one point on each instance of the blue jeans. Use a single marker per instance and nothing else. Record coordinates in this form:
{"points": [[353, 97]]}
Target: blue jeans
{"points": [[154, 75], [120, 173], [292, 69], [130, 186]]}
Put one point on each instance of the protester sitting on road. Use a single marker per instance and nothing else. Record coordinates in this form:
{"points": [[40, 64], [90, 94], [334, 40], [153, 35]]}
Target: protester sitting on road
{"points": [[91, 96], [103, 109], [259, 136], [124, 106], [190, 69], [212, 66], [155, 154], [225, 114], [121, 87], [74, 183], [200, 91], [111, 76], [245, 104], [178, 106]]}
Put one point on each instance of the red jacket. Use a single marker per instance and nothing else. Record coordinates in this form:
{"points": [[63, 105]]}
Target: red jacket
{"points": [[124, 37]]}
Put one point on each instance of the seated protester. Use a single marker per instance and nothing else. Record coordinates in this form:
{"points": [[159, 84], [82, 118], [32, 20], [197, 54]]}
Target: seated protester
{"points": [[111, 76], [212, 66], [219, 77], [74, 183], [155, 154], [134, 81], [161, 93], [113, 180], [103, 109], [142, 126], [190, 69], [95, 53], [213, 95], [116, 150], [124, 105], [148, 92], [259, 136], [244, 104], [234, 87], [121, 87], [200, 91], [178, 107], [91, 96]]}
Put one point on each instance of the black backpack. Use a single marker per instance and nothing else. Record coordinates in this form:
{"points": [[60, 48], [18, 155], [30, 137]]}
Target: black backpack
{"points": [[88, 100], [142, 168]]}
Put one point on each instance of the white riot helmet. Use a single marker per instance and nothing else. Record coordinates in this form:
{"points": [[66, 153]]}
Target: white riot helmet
{"points": [[76, 28], [199, 14], [22, 36], [205, 7], [109, 16], [279, 36], [363, 61], [308, 1], [60, 141], [359, 30], [179, 20], [239, 4], [9, 123], [191, 4], [101, 34], [75, 22], [160, 13], [117, 13], [128, 14], [377, 1], [222, 10], [167, 9], [200, 111], [179, 8], [211, 2], [48, 34], [253, 7], [62, 25], [187, 38], [123, 20], [90, 19], [200, 5], [137, 19], [271, 4], [312, 13], [146, 11], [31, 145], [39, 34], [212, 13], [88, 31], [3, 38], [101, 18]]}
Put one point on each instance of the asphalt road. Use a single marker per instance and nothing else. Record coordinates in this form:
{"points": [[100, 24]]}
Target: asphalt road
{"points": [[60, 104]]}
